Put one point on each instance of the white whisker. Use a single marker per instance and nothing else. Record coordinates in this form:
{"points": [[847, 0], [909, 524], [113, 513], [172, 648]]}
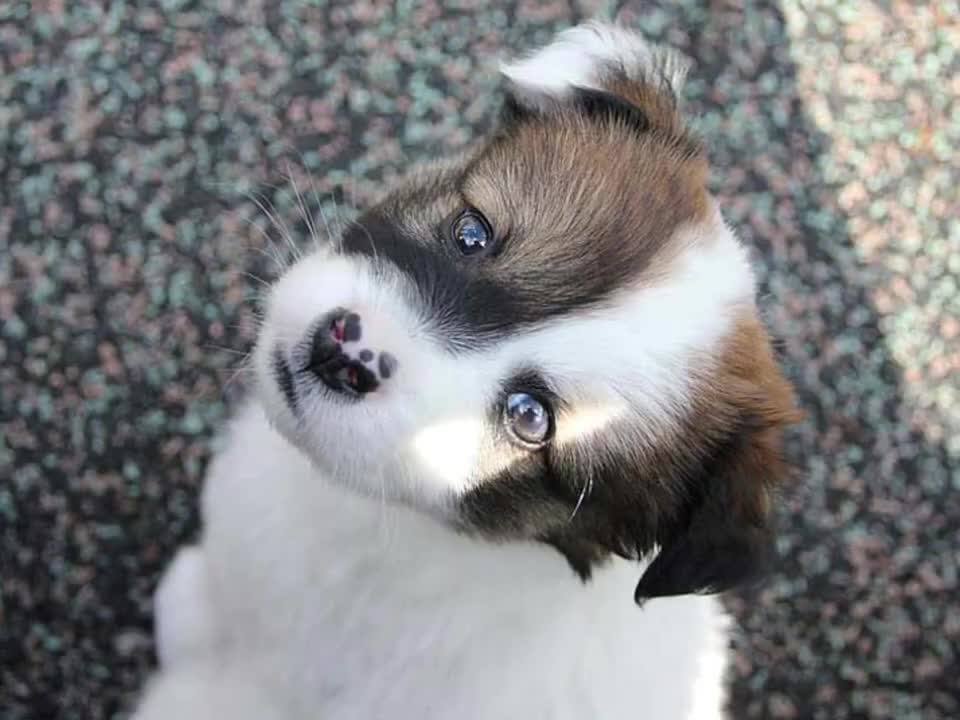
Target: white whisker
{"points": [[276, 256], [337, 236], [256, 278], [584, 493], [307, 216], [270, 210], [373, 245]]}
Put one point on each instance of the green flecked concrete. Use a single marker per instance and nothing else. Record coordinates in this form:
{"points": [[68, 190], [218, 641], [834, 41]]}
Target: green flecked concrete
{"points": [[134, 137]]}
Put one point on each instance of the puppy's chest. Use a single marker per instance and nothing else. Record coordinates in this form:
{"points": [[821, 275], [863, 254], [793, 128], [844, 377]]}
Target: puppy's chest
{"points": [[405, 664], [359, 642], [364, 625]]}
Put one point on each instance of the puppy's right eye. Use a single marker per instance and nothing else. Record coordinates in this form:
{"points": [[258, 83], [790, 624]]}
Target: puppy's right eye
{"points": [[472, 233], [528, 419]]}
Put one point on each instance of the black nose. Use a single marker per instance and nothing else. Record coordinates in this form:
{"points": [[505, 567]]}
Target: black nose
{"points": [[339, 368]]}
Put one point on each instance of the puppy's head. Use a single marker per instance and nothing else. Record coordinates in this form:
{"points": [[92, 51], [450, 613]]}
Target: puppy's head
{"points": [[551, 338]]}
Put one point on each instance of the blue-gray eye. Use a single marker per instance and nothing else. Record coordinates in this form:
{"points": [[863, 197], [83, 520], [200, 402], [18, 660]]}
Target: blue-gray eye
{"points": [[472, 233], [527, 418]]}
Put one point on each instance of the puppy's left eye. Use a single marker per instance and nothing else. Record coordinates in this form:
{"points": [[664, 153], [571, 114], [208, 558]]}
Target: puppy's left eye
{"points": [[472, 233], [527, 418]]}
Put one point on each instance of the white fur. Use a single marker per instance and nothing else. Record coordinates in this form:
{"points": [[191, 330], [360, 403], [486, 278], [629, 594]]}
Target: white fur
{"points": [[580, 55], [330, 605], [182, 609]]}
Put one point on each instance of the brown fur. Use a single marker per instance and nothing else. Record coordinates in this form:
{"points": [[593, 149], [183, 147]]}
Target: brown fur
{"points": [[723, 535], [659, 105], [565, 190], [612, 199], [585, 200], [749, 381]]}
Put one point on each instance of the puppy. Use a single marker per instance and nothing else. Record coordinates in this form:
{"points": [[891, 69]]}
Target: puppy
{"points": [[528, 377]]}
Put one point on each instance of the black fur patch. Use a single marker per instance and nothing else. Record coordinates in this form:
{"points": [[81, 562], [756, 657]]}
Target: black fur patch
{"points": [[471, 303], [465, 309], [607, 107], [594, 104], [513, 111], [471, 308], [285, 379]]}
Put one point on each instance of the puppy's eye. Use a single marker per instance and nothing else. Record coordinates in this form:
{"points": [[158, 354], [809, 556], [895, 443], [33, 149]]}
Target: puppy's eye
{"points": [[527, 418], [472, 233]]}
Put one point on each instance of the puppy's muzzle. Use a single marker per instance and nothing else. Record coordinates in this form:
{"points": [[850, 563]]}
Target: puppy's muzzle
{"points": [[339, 359]]}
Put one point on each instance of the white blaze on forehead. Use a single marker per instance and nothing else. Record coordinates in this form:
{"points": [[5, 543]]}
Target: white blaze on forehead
{"points": [[580, 55]]}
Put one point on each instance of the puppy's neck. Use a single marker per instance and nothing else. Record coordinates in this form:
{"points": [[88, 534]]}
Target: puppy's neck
{"points": [[409, 553]]}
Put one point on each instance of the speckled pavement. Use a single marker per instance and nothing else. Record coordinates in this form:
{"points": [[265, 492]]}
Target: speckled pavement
{"points": [[135, 136]]}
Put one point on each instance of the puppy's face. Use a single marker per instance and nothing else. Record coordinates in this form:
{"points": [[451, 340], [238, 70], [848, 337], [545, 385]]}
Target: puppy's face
{"points": [[550, 338]]}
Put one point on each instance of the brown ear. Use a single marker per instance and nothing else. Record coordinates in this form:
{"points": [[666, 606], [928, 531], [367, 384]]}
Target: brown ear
{"points": [[606, 70], [724, 536]]}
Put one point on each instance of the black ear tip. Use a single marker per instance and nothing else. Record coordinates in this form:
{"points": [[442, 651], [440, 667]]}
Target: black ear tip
{"points": [[654, 584], [641, 596], [644, 594], [646, 591], [688, 567]]}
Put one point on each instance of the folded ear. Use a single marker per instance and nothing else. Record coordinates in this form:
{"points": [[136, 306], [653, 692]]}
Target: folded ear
{"points": [[724, 535], [599, 67], [725, 538]]}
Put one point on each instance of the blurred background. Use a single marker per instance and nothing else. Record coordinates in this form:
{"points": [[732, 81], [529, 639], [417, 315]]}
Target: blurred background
{"points": [[137, 139]]}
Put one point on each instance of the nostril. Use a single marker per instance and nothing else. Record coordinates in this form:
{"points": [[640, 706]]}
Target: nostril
{"points": [[344, 326], [331, 364], [350, 330], [336, 329], [325, 345], [323, 348]]}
